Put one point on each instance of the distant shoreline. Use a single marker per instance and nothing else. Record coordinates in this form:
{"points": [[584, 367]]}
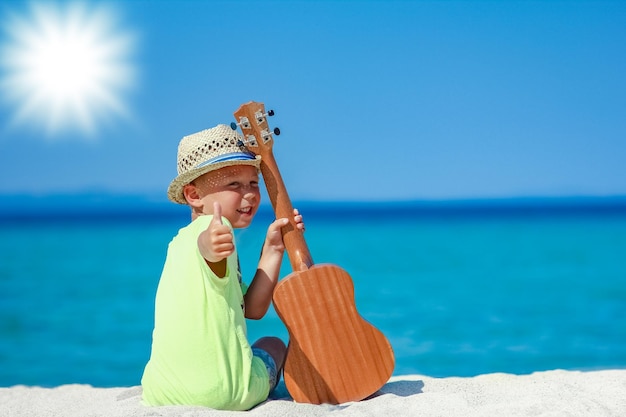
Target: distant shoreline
{"points": [[92, 205]]}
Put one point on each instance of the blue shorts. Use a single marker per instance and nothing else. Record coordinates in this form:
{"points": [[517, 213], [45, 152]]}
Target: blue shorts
{"points": [[270, 365]]}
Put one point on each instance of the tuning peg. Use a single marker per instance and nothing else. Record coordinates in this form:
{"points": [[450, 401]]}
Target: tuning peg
{"points": [[243, 122], [267, 136], [260, 116]]}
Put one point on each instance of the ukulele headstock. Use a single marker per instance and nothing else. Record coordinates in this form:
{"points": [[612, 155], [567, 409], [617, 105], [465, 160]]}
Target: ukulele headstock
{"points": [[252, 119]]}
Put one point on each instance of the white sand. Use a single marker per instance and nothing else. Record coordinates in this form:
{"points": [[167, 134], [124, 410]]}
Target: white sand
{"points": [[552, 393]]}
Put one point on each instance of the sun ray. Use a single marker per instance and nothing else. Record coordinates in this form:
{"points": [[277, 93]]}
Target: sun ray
{"points": [[66, 69]]}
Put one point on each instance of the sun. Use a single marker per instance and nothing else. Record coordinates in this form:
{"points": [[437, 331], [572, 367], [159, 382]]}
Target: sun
{"points": [[66, 68]]}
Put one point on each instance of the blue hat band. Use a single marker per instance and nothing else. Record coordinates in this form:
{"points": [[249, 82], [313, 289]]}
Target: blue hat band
{"points": [[236, 156]]}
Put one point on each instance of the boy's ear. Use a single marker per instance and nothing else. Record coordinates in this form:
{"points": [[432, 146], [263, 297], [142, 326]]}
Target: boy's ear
{"points": [[190, 192]]}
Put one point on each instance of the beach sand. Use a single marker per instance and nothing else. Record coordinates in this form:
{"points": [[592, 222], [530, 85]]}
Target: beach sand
{"points": [[549, 393]]}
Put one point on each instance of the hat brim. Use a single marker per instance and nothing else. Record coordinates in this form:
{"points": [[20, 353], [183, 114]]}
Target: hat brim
{"points": [[175, 190]]}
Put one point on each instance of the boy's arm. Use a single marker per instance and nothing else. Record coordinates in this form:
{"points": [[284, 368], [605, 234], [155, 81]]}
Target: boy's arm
{"points": [[259, 294], [260, 291]]}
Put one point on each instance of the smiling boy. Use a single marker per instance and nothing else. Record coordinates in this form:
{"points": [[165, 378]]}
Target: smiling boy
{"points": [[200, 352]]}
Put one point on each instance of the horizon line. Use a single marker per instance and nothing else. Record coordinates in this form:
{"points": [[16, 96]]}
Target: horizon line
{"points": [[122, 206], [158, 197]]}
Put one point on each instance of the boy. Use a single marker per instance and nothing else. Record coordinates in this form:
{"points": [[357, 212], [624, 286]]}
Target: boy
{"points": [[200, 353]]}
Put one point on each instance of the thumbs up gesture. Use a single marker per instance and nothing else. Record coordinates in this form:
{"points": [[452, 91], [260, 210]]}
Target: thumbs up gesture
{"points": [[216, 242]]}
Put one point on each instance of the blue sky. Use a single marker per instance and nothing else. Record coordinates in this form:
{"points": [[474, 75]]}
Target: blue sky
{"points": [[377, 100]]}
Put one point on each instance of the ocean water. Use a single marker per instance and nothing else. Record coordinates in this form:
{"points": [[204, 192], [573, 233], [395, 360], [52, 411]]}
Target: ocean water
{"points": [[458, 290]]}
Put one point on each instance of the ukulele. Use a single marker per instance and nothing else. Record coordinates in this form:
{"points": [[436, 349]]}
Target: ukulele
{"points": [[334, 356]]}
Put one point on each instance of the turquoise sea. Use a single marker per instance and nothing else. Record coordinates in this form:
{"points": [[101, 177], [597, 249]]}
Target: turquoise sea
{"points": [[459, 288]]}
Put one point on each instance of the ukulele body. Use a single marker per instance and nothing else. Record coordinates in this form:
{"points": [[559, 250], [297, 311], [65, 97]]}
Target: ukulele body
{"points": [[334, 355]]}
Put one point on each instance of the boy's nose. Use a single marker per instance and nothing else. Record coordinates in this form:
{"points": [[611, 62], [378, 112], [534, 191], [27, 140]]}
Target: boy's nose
{"points": [[248, 194]]}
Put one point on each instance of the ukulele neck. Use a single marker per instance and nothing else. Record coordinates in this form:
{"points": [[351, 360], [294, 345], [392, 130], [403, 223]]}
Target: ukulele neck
{"points": [[296, 246], [252, 119]]}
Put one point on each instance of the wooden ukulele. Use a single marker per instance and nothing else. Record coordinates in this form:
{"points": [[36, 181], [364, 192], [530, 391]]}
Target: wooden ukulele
{"points": [[334, 356]]}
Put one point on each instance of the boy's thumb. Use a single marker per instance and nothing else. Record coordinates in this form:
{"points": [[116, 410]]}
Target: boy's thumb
{"points": [[217, 213]]}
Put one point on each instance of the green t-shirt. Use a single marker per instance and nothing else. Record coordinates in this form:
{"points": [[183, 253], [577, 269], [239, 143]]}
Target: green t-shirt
{"points": [[200, 352]]}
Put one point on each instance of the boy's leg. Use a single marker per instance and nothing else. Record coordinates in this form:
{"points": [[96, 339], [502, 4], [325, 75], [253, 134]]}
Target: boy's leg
{"points": [[272, 351]]}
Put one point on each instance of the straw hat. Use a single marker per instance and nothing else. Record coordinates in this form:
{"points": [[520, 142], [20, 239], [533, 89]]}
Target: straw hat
{"points": [[207, 151]]}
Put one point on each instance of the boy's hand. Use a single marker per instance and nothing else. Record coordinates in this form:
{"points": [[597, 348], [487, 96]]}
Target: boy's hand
{"points": [[297, 217], [216, 242], [274, 239]]}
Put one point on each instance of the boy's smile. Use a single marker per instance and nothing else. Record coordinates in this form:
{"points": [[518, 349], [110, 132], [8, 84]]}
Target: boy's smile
{"points": [[246, 210]]}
